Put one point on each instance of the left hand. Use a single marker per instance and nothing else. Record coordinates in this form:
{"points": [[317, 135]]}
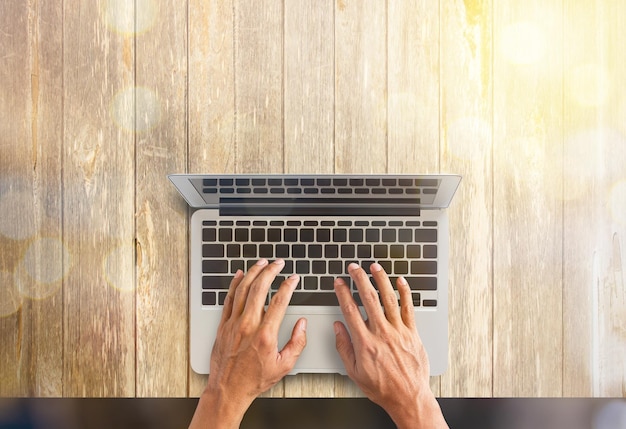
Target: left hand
{"points": [[245, 360]]}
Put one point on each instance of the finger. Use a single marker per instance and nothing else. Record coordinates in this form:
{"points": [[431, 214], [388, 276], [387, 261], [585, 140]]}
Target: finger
{"points": [[241, 294], [367, 292], [228, 302], [257, 295], [349, 308], [293, 349], [407, 310], [280, 301], [387, 293], [344, 346]]}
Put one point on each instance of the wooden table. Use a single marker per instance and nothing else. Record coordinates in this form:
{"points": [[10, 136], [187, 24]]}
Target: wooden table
{"points": [[525, 99]]}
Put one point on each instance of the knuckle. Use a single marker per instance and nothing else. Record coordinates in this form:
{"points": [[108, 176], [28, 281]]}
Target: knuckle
{"points": [[349, 307]]}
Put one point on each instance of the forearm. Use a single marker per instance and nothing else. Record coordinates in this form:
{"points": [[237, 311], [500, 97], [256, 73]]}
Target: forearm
{"points": [[215, 412]]}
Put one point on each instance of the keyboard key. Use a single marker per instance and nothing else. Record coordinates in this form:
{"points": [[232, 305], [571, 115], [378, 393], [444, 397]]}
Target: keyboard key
{"points": [[396, 191], [401, 267], [386, 266], [396, 251], [430, 223], [356, 182], [291, 235], [236, 265], [356, 235], [426, 235], [291, 182], [318, 267], [307, 235], [389, 236], [331, 251], [293, 223], [335, 267], [430, 303], [313, 298], [266, 251], [417, 301], [422, 283], [413, 251], [226, 223], [277, 223], [302, 267], [366, 265], [282, 251], [380, 251], [260, 191], [221, 297], [294, 191], [258, 182], [277, 282], [216, 282], [277, 191], [372, 182], [372, 235], [423, 267], [259, 223], [215, 266], [275, 182], [311, 191], [233, 250], [327, 283], [298, 251], [209, 190], [340, 235], [243, 191], [405, 182], [412, 223], [213, 250], [250, 263], [242, 223], [226, 182], [327, 190], [209, 234], [274, 235], [344, 223], [323, 182], [364, 251], [389, 182], [405, 235], [241, 234], [310, 283], [323, 235], [209, 298], [340, 182], [257, 235], [396, 223], [249, 251], [209, 182], [347, 251], [309, 223], [307, 182], [430, 252], [227, 190], [225, 234], [315, 251]]}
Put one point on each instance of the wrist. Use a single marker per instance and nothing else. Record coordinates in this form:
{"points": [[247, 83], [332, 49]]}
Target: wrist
{"points": [[217, 411], [421, 413]]}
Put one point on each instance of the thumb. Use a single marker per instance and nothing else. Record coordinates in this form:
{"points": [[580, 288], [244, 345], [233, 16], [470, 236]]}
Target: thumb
{"points": [[344, 346], [292, 350]]}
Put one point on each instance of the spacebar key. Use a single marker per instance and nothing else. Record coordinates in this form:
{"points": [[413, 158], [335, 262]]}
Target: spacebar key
{"points": [[316, 298]]}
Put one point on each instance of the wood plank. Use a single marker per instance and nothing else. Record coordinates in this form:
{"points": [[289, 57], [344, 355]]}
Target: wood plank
{"points": [[99, 199], [211, 100], [33, 256], [528, 215], [594, 300], [413, 91], [162, 251], [466, 127], [309, 121], [259, 143], [360, 101]]}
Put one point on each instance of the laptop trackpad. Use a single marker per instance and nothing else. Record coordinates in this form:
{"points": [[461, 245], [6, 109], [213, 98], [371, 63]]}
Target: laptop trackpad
{"points": [[320, 354]]}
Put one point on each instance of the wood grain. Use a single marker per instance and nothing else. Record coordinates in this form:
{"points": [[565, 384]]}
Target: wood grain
{"points": [[161, 136], [32, 251], [309, 121], [594, 305], [98, 202], [466, 127], [528, 229]]}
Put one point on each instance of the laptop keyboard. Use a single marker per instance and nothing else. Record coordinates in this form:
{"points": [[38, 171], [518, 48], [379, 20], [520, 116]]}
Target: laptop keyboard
{"points": [[319, 251]]}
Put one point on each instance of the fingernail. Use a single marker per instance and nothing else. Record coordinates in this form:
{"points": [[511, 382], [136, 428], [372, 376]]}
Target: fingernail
{"points": [[294, 277], [238, 274], [376, 267], [352, 267], [336, 328], [303, 325], [339, 281], [402, 280], [261, 262], [279, 262]]}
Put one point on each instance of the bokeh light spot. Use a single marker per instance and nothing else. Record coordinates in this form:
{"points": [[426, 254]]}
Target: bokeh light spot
{"points": [[46, 262], [118, 267], [136, 109], [10, 298], [122, 17], [523, 43], [588, 85]]}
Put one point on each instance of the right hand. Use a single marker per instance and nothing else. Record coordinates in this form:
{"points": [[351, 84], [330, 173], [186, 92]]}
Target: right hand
{"points": [[384, 354]]}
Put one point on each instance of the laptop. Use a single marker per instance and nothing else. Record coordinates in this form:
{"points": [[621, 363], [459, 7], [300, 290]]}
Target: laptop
{"points": [[318, 224]]}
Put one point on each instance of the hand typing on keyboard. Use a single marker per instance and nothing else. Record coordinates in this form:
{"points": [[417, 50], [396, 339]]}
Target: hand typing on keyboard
{"points": [[383, 355]]}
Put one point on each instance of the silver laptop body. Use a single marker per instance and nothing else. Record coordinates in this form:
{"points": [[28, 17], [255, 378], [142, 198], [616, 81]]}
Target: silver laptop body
{"points": [[318, 224]]}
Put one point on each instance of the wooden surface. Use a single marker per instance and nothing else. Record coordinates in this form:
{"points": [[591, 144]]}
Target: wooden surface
{"points": [[525, 99]]}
